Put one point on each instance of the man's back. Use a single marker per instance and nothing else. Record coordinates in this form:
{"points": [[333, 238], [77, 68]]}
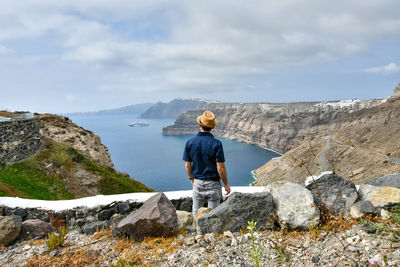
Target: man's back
{"points": [[204, 151]]}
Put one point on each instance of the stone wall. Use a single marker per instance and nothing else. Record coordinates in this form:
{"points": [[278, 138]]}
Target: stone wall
{"points": [[18, 139]]}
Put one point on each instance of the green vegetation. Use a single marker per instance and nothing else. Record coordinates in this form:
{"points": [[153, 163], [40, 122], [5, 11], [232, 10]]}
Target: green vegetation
{"points": [[256, 251], [22, 180], [41, 176], [57, 238], [115, 183], [392, 225]]}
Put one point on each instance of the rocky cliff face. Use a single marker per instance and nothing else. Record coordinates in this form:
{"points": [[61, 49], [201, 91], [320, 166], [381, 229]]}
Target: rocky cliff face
{"points": [[357, 139], [361, 145], [276, 126], [62, 129]]}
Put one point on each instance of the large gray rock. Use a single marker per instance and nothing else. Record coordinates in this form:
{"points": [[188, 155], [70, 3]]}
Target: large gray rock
{"points": [[10, 227], [157, 217], [294, 205], [336, 193], [379, 196], [237, 211], [35, 229], [390, 180]]}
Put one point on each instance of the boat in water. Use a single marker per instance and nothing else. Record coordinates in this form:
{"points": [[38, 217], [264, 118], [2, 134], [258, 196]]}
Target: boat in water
{"points": [[139, 124]]}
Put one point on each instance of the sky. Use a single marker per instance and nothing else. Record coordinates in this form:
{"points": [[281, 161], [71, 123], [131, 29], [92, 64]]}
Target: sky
{"points": [[73, 55]]}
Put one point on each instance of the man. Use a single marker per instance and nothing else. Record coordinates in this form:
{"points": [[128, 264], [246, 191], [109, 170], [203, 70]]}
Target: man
{"points": [[204, 161]]}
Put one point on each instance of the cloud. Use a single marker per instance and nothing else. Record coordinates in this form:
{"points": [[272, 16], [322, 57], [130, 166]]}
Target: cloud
{"points": [[387, 69], [149, 46], [4, 51]]}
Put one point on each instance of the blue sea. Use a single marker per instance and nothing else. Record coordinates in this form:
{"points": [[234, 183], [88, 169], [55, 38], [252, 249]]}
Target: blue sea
{"points": [[156, 160]]}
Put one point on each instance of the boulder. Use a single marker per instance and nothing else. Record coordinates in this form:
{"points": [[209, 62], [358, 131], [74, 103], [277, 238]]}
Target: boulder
{"points": [[235, 213], [390, 180], [184, 218], [35, 229], [186, 204], [294, 205], [362, 208], [10, 227], [379, 197], [157, 217], [105, 214], [335, 192]]}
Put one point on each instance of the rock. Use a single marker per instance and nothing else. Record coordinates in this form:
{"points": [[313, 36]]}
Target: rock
{"points": [[189, 241], [93, 227], [157, 217], [390, 180], [338, 194], [184, 218], [21, 212], [379, 197], [228, 234], [294, 204], [186, 204], [116, 218], [81, 213], [362, 208], [201, 212], [315, 259], [190, 229], [104, 215], [10, 227], [123, 207], [396, 91], [237, 211], [210, 238], [32, 229], [384, 214]]}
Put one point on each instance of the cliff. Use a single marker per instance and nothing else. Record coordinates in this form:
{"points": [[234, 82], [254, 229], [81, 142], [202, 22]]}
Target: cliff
{"points": [[71, 162], [62, 129], [361, 145], [357, 139], [172, 109], [277, 126]]}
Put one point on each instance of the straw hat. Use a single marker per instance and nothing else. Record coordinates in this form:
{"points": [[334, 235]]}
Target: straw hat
{"points": [[207, 119]]}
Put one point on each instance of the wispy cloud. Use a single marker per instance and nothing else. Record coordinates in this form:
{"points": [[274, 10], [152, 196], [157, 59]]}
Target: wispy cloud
{"points": [[387, 69]]}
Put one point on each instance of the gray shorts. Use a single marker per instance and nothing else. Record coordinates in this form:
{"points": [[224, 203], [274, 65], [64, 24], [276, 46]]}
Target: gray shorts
{"points": [[206, 190]]}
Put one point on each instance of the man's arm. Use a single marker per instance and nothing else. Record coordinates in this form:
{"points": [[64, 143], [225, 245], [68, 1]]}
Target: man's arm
{"points": [[188, 167], [222, 174]]}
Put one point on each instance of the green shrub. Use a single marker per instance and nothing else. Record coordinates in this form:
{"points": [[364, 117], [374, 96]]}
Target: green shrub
{"points": [[256, 251], [57, 238]]}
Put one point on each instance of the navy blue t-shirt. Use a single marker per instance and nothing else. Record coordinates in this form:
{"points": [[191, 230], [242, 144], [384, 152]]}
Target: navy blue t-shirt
{"points": [[204, 151]]}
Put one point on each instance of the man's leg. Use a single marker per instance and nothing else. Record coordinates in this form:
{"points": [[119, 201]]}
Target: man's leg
{"points": [[197, 196], [214, 194]]}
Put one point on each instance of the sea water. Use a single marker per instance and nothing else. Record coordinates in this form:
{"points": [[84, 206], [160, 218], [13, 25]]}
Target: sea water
{"points": [[156, 160]]}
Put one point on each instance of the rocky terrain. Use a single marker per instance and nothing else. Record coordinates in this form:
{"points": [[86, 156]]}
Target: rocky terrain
{"points": [[62, 129], [290, 228], [361, 145], [172, 109]]}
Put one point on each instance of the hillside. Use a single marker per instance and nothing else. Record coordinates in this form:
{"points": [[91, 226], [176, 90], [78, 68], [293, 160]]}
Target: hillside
{"points": [[72, 163], [363, 142], [172, 109]]}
